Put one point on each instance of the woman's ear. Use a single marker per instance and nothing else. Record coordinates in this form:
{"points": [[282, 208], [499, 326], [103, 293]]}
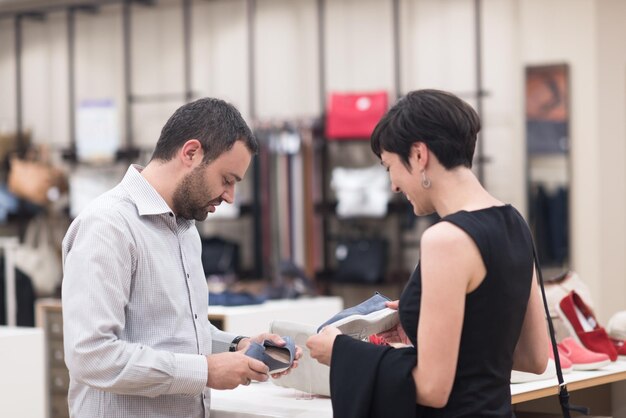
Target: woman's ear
{"points": [[419, 155]]}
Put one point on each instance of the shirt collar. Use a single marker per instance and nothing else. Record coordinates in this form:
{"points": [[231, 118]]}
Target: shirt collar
{"points": [[146, 198]]}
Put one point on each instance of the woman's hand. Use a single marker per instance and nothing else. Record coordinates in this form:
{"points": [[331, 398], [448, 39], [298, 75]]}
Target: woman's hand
{"points": [[396, 334], [393, 304], [321, 345]]}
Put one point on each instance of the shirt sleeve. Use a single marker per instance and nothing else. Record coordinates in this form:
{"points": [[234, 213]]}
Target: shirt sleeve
{"points": [[221, 340], [99, 256]]}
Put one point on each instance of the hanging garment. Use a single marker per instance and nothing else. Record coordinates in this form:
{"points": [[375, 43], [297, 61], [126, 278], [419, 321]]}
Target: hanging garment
{"points": [[361, 191]]}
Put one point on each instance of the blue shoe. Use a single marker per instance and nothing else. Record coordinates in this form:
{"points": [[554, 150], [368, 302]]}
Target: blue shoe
{"points": [[277, 358], [368, 317]]}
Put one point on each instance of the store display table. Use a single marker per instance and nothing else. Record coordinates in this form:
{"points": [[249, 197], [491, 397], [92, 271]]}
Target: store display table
{"points": [[269, 400]]}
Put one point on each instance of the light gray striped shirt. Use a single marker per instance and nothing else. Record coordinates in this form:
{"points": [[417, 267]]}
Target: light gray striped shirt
{"points": [[135, 309]]}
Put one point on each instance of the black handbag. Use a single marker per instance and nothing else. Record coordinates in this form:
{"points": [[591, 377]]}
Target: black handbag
{"points": [[361, 260], [219, 256]]}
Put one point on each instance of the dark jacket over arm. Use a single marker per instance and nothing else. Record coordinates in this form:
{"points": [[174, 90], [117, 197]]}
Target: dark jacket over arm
{"points": [[368, 380]]}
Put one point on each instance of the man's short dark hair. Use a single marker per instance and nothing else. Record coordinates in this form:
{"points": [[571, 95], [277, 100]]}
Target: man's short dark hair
{"points": [[213, 122], [446, 124]]}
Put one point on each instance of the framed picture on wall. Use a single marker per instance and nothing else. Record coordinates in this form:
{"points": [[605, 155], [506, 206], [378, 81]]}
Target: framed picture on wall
{"points": [[547, 110], [548, 143]]}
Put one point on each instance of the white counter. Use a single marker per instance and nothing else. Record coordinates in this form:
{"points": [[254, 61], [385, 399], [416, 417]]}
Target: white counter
{"points": [[268, 400], [22, 373]]}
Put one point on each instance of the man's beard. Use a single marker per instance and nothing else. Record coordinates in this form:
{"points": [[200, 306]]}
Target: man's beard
{"points": [[190, 200]]}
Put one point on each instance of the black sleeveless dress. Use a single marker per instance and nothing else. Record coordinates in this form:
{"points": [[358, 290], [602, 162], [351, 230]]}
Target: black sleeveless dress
{"points": [[494, 313], [368, 380]]}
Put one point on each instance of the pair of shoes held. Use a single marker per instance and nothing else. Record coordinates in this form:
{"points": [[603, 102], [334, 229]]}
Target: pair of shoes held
{"points": [[369, 317], [277, 358]]}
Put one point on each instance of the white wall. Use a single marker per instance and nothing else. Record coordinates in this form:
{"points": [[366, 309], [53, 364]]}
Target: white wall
{"points": [[7, 77], [44, 79], [219, 51], [610, 143], [587, 34], [286, 77], [546, 39]]}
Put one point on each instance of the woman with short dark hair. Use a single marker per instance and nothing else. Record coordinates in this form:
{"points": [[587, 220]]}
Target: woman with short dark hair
{"points": [[471, 311]]}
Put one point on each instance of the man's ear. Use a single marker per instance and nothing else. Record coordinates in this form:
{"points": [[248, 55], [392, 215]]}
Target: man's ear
{"points": [[419, 155], [191, 153]]}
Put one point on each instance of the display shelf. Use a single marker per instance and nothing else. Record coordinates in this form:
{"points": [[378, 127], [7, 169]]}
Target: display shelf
{"points": [[614, 372]]}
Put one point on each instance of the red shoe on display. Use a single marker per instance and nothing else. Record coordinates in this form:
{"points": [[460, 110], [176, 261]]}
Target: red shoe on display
{"points": [[582, 324], [620, 347], [580, 357]]}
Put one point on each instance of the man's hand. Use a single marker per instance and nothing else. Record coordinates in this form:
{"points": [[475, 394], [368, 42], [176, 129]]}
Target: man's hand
{"points": [[229, 370], [276, 339], [321, 345]]}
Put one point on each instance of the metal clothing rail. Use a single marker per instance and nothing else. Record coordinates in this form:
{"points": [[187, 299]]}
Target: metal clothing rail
{"points": [[48, 6], [262, 265]]}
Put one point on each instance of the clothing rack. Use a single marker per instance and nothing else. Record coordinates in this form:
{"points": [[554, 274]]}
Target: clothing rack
{"points": [[285, 173], [322, 147], [73, 7]]}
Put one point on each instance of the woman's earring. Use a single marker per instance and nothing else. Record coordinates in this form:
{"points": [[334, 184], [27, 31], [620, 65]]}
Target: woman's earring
{"points": [[425, 180]]}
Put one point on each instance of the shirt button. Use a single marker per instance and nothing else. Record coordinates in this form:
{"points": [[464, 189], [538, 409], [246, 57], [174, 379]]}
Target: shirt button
{"points": [[195, 316], [171, 214], [187, 275]]}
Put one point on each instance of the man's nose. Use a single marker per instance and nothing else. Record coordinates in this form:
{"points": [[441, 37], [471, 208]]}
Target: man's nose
{"points": [[228, 196]]}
